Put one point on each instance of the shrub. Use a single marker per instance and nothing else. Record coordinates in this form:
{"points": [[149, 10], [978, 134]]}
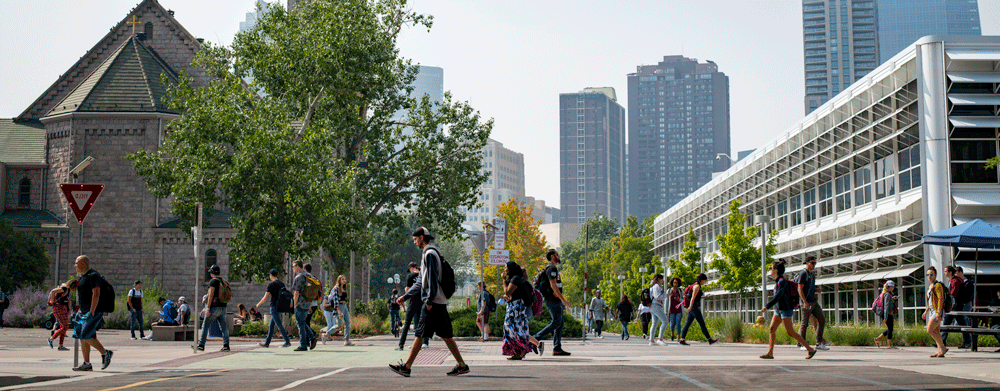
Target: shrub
{"points": [[376, 309], [253, 329], [28, 308], [732, 329], [364, 325], [25, 259], [151, 293]]}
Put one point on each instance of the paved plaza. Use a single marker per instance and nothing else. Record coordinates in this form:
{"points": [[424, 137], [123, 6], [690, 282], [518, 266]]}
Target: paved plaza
{"points": [[27, 363]]}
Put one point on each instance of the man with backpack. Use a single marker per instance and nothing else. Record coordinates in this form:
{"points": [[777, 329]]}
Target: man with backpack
{"points": [[549, 283], [434, 286], [216, 301], [275, 292], [303, 293], [413, 309], [956, 290], [487, 304], [96, 298], [394, 313], [134, 303], [809, 303]]}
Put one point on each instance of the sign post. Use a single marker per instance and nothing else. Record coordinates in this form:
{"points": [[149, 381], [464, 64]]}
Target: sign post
{"points": [[499, 256], [500, 235], [196, 233], [81, 198]]}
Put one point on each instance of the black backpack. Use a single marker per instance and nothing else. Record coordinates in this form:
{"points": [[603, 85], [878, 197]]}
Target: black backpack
{"points": [[646, 298], [491, 302], [542, 284], [966, 292], [173, 312], [447, 280], [284, 301], [527, 293], [106, 303]]}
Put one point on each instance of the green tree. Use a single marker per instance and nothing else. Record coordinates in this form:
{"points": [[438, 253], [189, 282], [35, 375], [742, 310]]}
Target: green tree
{"points": [[524, 240], [573, 253], [993, 162], [689, 264], [24, 261], [739, 264], [318, 162]]}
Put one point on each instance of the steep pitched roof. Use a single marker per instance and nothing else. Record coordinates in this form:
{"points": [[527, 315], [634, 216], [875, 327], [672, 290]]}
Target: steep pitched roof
{"points": [[170, 36], [127, 81], [21, 142], [213, 219]]}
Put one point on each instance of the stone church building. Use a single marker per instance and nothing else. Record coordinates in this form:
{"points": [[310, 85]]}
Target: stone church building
{"points": [[109, 104]]}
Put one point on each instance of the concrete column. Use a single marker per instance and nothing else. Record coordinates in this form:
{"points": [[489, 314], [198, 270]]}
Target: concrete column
{"points": [[935, 172]]}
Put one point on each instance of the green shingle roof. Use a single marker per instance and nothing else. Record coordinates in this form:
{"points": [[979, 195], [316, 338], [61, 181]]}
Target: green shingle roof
{"points": [[128, 81], [213, 219], [21, 142], [30, 218]]}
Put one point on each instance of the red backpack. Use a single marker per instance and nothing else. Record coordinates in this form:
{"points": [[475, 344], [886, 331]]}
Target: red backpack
{"points": [[688, 292]]}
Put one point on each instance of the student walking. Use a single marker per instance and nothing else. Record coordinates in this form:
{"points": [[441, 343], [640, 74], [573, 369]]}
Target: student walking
{"points": [[694, 310], [809, 305], [644, 317], [956, 288], [59, 301], [394, 313], [549, 283], [516, 339], [413, 308], [134, 303], [340, 294], [302, 304], [91, 314], [783, 314], [935, 310], [434, 318], [659, 296], [216, 302], [486, 304], [330, 304], [4, 303], [675, 307], [887, 311], [624, 312], [597, 311], [273, 293]]}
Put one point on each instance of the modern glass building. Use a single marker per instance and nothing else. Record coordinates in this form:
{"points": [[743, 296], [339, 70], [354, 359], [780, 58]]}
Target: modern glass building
{"points": [[678, 125], [840, 39], [898, 154], [901, 22], [591, 155]]}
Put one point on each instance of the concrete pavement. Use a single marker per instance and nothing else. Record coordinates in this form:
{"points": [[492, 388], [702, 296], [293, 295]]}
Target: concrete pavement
{"points": [[27, 362]]}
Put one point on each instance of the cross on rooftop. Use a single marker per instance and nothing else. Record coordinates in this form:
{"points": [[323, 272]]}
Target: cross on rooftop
{"points": [[133, 22]]}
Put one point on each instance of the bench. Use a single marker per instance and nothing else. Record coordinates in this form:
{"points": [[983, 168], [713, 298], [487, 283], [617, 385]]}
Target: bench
{"points": [[977, 331], [172, 333], [952, 328]]}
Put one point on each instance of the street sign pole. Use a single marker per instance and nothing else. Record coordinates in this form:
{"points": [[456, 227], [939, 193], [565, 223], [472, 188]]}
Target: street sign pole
{"points": [[81, 198], [196, 231]]}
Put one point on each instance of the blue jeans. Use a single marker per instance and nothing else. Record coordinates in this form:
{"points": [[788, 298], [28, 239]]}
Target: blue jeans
{"points": [[695, 314], [556, 326], [346, 313], [276, 324], [135, 319], [961, 321], [658, 315], [331, 321], [215, 313], [625, 329], [675, 322], [306, 334], [394, 319], [412, 317]]}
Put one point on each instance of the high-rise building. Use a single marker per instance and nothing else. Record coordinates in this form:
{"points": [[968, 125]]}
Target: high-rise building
{"points": [[901, 22], [591, 155], [678, 125], [252, 16], [430, 82], [506, 181], [844, 40], [841, 46]]}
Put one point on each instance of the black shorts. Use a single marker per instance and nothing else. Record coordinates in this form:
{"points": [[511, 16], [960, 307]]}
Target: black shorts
{"points": [[434, 321]]}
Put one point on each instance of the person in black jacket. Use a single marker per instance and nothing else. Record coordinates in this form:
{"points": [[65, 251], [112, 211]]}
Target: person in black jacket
{"points": [[783, 314]]}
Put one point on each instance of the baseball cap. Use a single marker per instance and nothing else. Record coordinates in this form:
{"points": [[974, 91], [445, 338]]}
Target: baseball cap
{"points": [[182, 299], [891, 283]]}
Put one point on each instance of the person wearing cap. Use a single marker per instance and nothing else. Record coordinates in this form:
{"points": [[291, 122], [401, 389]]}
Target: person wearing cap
{"points": [[183, 311], [888, 311], [216, 309], [414, 308], [273, 291], [809, 303], [134, 304], [434, 317]]}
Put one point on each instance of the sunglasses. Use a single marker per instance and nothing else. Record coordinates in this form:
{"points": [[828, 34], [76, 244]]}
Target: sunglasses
{"points": [[930, 274], [812, 263]]}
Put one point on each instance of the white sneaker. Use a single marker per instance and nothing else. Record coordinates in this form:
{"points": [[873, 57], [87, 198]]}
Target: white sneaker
{"points": [[600, 336], [426, 346], [661, 343], [348, 343], [803, 348], [651, 343], [822, 346]]}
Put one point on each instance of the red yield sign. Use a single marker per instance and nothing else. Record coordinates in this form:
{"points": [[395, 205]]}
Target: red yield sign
{"points": [[81, 197]]}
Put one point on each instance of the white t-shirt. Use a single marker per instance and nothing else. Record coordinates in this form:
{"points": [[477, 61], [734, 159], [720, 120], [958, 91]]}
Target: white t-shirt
{"points": [[643, 309], [658, 294]]}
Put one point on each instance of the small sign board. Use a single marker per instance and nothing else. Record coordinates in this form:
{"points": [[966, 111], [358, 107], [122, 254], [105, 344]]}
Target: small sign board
{"points": [[499, 257], [81, 197], [500, 235]]}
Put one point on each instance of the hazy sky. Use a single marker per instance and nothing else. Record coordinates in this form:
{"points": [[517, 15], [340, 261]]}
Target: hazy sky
{"points": [[510, 59]]}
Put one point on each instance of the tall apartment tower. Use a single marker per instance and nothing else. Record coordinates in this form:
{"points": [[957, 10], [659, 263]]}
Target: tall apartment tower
{"points": [[591, 155], [678, 124], [841, 46], [506, 170], [902, 22]]}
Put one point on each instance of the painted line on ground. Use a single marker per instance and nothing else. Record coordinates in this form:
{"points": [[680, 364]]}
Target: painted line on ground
{"points": [[857, 379], [685, 378], [300, 382], [142, 383]]}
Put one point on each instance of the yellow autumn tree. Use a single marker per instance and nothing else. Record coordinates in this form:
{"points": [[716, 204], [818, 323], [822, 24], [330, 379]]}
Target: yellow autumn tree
{"points": [[526, 243]]}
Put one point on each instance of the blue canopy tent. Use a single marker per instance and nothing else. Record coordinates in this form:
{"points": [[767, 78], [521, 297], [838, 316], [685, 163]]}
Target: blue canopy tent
{"points": [[976, 233]]}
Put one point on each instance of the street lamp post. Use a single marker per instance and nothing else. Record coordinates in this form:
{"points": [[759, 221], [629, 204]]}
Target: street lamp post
{"points": [[643, 270], [621, 284], [763, 220], [702, 246]]}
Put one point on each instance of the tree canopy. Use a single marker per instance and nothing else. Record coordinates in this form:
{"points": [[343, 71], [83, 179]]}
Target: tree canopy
{"points": [[525, 242], [739, 262], [322, 159], [25, 259]]}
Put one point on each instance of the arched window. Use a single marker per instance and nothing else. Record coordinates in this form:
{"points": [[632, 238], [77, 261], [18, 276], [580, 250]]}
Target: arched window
{"points": [[148, 29], [24, 194], [211, 258]]}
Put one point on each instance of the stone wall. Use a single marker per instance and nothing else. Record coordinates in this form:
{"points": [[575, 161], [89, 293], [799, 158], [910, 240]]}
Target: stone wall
{"points": [[14, 175]]}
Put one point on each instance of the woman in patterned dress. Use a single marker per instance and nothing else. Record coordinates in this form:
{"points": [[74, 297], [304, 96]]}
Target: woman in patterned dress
{"points": [[515, 326]]}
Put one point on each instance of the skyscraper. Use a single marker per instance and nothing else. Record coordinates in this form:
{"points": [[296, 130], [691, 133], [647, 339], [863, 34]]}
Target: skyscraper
{"points": [[506, 180], [591, 155], [841, 46], [677, 126], [902, 22]]}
